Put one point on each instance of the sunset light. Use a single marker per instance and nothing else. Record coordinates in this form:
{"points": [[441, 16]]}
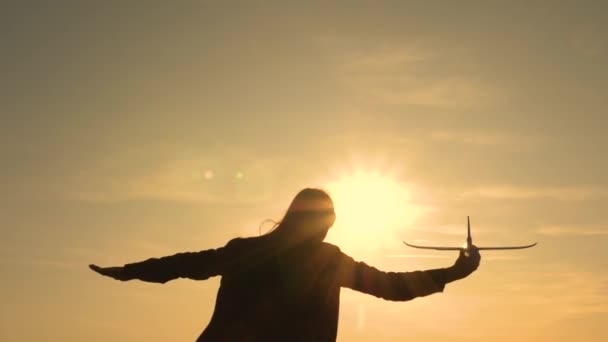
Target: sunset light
{"points": [[167, 168], [370, 209]]}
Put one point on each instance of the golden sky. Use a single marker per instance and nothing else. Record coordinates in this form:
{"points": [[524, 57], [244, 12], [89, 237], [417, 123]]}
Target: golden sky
{"points": [[131, 130]]}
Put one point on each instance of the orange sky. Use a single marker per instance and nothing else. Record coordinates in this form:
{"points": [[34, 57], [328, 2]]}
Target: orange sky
{"points": [[137, 131]]}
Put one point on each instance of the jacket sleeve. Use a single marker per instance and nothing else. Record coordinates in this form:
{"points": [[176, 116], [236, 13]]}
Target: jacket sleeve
{"points": [[193, 265], [395, 286]]}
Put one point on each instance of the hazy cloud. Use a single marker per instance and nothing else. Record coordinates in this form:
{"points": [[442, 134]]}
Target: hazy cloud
{"points": [[490, 139], [557, 193], [573, 292], [588, 41], [573, 231], [20, 261], [398, 75], [226, 175], [419, 256]]}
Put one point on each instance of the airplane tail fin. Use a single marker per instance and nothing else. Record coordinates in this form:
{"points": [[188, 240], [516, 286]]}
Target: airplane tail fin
{"points": [[469, 239]]}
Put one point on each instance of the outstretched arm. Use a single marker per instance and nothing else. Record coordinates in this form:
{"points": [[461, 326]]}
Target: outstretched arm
{"points": [[193, 265], [402, 286]]}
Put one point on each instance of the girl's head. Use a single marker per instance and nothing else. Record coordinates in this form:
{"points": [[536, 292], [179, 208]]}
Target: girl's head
{"points": [[309, 216]]}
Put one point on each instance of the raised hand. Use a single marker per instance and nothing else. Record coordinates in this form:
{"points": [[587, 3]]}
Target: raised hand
{"points": [[117, 273], [465, 265]]}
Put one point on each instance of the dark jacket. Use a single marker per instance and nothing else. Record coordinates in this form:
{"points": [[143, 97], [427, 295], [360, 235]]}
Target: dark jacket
{"points": [[273, 292]]}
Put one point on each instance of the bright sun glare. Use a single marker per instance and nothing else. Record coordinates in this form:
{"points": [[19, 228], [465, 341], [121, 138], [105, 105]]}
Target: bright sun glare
{"points": [[370, 210]]}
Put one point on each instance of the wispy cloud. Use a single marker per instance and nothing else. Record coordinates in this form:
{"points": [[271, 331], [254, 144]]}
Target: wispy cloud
{"points": [[501, 257], [554, 294], [469, 138], [41, 262], [573, 230], [570, 292], [419, 256], [399, 75], [440, 255], [558, 193], [489, 139], [227, 175], [588, 41]]}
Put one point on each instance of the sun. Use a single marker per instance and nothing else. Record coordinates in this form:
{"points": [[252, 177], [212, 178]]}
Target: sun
{"points": [[370, 210]]}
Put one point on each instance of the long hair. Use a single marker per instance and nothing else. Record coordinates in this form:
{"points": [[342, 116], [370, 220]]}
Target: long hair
{"points": [[309, 202]]}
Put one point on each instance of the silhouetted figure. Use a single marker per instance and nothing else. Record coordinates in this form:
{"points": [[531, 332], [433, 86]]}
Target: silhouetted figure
{"points": [[285, 285]]}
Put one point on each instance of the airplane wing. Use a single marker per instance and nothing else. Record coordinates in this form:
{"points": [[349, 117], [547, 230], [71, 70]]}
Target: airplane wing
{"points": [[435, 248], [510, 247]]}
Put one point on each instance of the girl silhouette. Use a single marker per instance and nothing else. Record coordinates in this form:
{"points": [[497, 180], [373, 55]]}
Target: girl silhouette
{"points": [[285, 285]]}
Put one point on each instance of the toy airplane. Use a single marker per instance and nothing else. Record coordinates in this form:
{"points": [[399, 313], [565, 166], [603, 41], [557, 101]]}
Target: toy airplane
{"points": [[469, 245]]}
